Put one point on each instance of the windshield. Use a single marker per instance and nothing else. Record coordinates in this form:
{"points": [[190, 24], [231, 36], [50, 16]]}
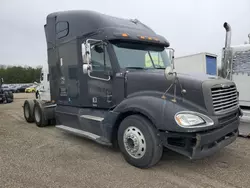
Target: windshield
{"points": [[144, 56]]}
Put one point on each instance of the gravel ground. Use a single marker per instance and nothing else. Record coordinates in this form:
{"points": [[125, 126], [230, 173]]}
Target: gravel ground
{"points": [[46, 157]]}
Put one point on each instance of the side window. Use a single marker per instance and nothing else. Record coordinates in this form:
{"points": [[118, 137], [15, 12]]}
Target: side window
{"points": [[62, 29], [97, 58]]}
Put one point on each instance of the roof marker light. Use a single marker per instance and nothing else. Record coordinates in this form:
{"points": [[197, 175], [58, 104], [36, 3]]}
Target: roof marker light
{"points": [[124, 34]]}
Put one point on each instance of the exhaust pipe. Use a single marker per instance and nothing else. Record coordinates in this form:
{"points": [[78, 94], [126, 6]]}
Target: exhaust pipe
{"points": [[228, 35]]}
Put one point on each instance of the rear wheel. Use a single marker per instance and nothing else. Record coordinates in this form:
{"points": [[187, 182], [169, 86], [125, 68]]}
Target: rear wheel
{"points": [[11, 96], [139, 142], [28, 111], [39, 116], [8, 96]]}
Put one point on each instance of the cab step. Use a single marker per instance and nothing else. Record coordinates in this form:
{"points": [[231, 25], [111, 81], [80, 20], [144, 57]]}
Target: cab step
{"points": [[85, 134]]}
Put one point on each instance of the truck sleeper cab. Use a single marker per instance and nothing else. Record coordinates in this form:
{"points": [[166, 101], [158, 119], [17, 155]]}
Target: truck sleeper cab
{"points": [[112, 82]]}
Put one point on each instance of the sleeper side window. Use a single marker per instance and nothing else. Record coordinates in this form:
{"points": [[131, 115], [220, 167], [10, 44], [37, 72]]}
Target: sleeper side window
{"points": [[62, 29]]}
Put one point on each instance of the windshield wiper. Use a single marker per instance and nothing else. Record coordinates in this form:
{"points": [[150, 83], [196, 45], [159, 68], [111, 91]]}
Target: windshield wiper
{"points": [[151, 59]]}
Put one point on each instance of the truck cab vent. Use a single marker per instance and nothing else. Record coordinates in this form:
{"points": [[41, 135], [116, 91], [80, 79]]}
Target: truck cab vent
{"points": [[224, 98]]}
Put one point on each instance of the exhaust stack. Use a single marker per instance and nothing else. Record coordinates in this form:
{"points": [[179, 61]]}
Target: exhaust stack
{"points": [[228, 35]]}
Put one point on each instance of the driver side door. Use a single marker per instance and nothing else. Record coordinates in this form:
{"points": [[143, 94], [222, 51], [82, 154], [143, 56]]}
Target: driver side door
{"points": [[99, 82]]}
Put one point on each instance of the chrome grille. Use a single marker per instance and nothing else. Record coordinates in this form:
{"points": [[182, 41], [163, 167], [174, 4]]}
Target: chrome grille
{"points": [[224, 98]]}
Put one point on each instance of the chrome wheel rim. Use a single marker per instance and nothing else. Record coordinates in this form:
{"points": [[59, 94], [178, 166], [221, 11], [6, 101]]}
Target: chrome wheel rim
{"points": [[134, 142]]}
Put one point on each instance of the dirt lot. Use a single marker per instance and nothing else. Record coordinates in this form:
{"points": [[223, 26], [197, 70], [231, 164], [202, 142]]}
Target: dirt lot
{"points": [[46, 157]]}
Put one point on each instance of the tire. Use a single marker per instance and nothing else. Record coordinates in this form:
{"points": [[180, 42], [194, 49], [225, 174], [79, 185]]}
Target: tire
{"points": [[8, 98], [2, 100], [39, 116], [145, 136], [11, 95], [28, 111]]}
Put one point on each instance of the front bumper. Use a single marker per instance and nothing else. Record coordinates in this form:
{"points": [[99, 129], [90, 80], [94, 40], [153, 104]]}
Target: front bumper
{"points": [[201, 144]]}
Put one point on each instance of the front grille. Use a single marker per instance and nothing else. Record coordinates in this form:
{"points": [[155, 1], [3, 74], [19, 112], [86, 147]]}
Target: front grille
{"points": [[224, 98]]}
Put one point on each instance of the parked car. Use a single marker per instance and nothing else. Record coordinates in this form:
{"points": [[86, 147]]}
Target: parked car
{"points": [[31, 89], [22, 88], [6, 88], [14, 88]]}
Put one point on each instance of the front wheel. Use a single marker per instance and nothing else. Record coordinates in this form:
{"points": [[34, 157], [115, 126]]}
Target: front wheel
{"points": [[139, 142]]}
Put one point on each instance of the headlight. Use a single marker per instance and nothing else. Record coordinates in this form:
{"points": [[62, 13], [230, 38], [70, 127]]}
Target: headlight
{"points": [[191, 119], [188, 119]]}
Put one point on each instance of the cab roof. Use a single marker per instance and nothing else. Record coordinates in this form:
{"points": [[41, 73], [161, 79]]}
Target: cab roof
{"points": [[64, 25]]}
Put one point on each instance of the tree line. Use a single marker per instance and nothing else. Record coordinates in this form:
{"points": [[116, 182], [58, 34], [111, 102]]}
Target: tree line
{"points": [[19, 74]]}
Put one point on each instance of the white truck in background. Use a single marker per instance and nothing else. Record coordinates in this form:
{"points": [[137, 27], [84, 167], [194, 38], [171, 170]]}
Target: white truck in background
{"points": [[34, 109], [43, 90], [202, 63], [235, 66]]}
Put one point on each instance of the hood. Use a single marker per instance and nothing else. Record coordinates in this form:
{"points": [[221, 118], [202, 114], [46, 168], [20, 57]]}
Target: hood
{"points": [[154, 80]]}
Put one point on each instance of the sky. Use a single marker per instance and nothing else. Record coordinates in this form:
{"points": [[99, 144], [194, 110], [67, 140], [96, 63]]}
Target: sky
{"points": [[191, 26]]}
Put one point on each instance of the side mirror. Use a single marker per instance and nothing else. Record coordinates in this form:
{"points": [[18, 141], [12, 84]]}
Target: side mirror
{"points": [[86, 57], [86, 68], [171, 56], [168, 73], [88, 53]]}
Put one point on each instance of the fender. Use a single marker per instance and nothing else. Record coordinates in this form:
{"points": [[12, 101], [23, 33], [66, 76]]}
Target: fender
{"points": [[159, 111]]}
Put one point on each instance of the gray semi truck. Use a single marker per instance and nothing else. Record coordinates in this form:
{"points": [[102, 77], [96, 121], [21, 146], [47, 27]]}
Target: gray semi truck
{"points": [[102, 89]]}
